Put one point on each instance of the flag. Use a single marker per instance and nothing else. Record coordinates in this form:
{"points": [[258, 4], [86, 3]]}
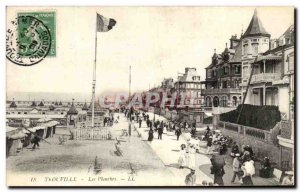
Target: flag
{"points": [[104, 24]]}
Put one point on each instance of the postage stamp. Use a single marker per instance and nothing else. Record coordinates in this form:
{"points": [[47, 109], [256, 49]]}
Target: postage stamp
{"points": [[49, 20], [30, 37]]}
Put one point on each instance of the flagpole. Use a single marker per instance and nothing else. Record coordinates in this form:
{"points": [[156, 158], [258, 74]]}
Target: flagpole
{"points": [[129, 101], [94, 77]]}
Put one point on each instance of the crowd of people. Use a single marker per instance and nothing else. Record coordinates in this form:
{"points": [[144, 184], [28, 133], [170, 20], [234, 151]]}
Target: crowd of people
{"points": [[217, 146]]}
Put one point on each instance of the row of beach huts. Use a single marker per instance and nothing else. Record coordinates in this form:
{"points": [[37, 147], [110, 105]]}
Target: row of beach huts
{"points": [[18, 138]]}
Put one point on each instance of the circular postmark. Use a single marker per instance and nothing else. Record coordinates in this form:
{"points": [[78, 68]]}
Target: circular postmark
{"points": [[28, 41]]}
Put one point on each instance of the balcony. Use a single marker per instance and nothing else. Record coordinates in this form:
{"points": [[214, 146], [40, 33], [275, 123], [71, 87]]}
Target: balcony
{"points": [[265, 77], [220, 91]]}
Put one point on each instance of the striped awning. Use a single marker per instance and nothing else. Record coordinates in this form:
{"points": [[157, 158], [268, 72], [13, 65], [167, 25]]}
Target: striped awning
{"points": [[268, 58]]}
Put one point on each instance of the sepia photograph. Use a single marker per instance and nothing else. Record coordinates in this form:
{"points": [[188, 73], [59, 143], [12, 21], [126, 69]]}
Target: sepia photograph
{"points": [[165, 96]]}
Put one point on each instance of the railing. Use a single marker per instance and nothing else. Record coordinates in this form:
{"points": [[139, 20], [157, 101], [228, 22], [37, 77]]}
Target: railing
{"points": [[265, 77], [258, 134], [221, 90], [92, 134]]}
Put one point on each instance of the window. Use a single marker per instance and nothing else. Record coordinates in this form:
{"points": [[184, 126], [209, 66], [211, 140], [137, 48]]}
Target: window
{"points": [[199, 94], [234, 100], [223, 101], [255, 48], [43, 113], [226, 70], [291, 62], [19, 112], [237, 69], [25, 112], [208, 102]]}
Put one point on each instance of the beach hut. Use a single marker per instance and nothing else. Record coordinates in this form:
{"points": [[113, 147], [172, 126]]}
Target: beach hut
{"points": [[13, 140]]}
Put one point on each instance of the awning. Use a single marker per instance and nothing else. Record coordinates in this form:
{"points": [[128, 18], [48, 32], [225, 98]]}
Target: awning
{"points": [[43, 120], [25, 131], [9, 129], [50, 124], [31, 129], [38, 128], [209, 114], [18, 135]]}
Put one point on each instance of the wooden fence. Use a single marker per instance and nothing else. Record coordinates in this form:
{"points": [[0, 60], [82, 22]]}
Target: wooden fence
{"points": [[92, 134]]}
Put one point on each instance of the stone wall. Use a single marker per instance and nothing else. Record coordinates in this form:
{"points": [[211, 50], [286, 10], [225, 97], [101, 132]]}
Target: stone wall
{"points": [[262, 146]]}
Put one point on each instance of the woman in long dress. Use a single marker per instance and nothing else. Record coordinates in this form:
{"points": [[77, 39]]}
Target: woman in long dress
{"points": [[181, 159], [249, 170], [150, 135], [192, 158]]}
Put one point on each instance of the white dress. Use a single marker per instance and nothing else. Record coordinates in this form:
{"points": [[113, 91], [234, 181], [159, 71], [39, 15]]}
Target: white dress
{"points": [[187, 159], [192, 159], [181, 159]]}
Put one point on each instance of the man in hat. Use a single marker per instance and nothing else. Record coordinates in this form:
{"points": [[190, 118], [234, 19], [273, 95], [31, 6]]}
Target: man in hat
{"points": [[289, 179], [190, 179], [236, 167]]}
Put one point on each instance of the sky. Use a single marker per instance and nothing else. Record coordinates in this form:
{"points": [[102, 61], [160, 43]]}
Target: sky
{"points": [[158, 42]]}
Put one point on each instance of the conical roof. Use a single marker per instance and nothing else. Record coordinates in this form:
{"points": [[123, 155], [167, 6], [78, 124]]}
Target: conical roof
{"points": [[13, 105], [55, 103], [60, 103], [97, 109], [72, 110], [33, 104], [255, 27], [85, 107], [41, 104], [51, 107]]}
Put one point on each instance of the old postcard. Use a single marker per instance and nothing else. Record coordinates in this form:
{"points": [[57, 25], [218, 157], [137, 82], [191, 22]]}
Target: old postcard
{"points": [[150, 96]]}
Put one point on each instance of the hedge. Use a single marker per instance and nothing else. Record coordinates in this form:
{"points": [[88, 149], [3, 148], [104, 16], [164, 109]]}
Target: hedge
{"points": [[207, 120], [262, 117]]}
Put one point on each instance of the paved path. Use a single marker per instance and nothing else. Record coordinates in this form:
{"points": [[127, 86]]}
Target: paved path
{"points": [[168, 150], [75, 157]]}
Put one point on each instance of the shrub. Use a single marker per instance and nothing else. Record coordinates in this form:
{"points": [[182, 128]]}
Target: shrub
{"points": [[207, 120]]}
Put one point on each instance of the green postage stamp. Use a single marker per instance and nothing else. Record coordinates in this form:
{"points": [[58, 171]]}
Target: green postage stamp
{"points": [[49, 20]]}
